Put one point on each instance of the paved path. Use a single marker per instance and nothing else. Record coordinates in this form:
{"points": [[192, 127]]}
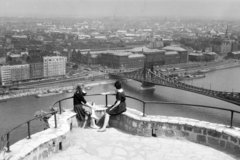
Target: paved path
{"points": [[116, 145]]}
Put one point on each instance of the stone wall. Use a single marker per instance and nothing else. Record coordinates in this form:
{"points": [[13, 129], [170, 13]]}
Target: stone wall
{"points": [[45, 143], [218, 136]]}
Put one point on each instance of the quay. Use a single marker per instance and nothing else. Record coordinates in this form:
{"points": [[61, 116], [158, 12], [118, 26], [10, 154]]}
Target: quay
{"points": [[131, 135]]}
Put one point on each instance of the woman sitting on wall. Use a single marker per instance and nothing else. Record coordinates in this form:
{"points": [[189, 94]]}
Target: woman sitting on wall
{"points": [[117, 108], [83, 108]]}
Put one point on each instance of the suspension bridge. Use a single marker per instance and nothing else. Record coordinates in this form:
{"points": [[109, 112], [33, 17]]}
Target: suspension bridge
{"points": [[149, 76]]}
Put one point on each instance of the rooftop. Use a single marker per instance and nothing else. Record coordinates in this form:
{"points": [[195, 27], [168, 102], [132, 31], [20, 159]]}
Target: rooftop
{"points": [[171, 53], [173, 48]]}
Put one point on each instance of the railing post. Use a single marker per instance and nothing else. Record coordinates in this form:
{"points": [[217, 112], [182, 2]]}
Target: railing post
{"points": [[60, 108], [231, 119], [55, 119], [29, 134], [106, 99], [144, 109], [8, 142]]}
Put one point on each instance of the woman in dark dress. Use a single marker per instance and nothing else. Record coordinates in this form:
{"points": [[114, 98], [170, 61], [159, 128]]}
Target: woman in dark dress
{"points": [[117, 108], [82, 107]]}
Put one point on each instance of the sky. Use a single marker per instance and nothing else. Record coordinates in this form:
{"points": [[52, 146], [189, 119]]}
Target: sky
{"points": [[216, 9]]}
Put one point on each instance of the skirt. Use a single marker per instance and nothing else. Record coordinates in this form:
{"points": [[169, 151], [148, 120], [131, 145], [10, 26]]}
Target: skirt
{"points": [[82, 112], [117, 110]]}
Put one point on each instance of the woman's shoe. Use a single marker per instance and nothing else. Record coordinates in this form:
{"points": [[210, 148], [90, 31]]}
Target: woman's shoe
{"points": [[101, 130], [94, 127]]}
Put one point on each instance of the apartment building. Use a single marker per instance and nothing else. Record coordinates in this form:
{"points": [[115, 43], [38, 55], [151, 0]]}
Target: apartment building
{"points": [[54, 66], [5, 75], [20, 72]]}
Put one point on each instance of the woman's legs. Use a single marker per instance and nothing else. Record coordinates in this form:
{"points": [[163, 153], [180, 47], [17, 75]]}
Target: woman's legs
{"points": [[106, 120], [85, 121]]}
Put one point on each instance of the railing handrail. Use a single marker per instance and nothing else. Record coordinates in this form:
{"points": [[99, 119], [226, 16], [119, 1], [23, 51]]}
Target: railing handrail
{"points": [[194, 105], [28, 121]]}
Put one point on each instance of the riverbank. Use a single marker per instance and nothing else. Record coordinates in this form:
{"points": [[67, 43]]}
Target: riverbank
{"points": [[45, 90], [211, 66]]}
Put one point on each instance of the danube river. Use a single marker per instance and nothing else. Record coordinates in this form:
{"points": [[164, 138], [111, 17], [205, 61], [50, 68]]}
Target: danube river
{"points": [[18, 110]]}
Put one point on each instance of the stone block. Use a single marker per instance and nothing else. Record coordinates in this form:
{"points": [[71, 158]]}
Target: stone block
{"points": [[159, 132], [39, 156], [225, 137], [144, 125], [121, 125], [44, 154], [197, 130], [126, 128], [140, 132], [222, 144], [230, 147], [233, 139], [129, 122], [147, 132], [213, 141], [176, 127], [214, 133], [185, 134], [204, 131], [114, 123], [201, 139], [118, 117], [178, 133], [188, 128], [169, 133], [236, 150], [65, 144], [134, 124], [165, 126], [132, 130]]}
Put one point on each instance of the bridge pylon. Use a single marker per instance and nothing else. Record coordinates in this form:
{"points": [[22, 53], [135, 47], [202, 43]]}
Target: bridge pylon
{"points": [[147, 85]]}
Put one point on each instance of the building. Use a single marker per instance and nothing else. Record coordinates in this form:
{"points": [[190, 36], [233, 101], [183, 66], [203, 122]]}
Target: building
{"points": [[54, 66], [5, 75], [114, 59], [196, 57], [154, 56], [155, 43], [136, 61], [222, 48], [183, 54], [20, 72], [172, 57], [210, 56], [234, 55], [36, 67]]}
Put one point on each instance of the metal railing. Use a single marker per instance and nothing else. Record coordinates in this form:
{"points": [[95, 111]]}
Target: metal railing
{"points": [[7, 134], [159, 102], [5, 138]]}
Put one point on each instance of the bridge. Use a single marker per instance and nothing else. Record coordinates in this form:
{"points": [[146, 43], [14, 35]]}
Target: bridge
{"points": [[149, 76]]}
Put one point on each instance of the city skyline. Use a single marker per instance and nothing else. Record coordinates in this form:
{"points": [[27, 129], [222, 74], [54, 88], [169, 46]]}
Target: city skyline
{"points": [[211, 9]]}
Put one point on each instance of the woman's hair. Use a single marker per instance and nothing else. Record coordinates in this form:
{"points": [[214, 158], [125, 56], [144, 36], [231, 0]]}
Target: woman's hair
{"points": [[79, 88], [118, 85]]}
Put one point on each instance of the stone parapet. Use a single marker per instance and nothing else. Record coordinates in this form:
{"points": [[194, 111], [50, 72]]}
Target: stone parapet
{"points": [[45, 143], [218, 136]]}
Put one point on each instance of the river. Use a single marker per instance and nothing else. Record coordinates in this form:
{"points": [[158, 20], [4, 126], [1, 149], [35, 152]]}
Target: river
{"points": [[18, 110]]}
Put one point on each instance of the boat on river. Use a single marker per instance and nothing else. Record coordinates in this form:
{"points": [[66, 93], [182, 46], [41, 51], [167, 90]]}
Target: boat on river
{"points": [[49, 94], [189, 77], [204, 70]]}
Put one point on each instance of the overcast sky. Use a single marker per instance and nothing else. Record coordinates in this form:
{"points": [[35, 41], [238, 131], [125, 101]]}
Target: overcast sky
{"points": [[129, 8]]}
